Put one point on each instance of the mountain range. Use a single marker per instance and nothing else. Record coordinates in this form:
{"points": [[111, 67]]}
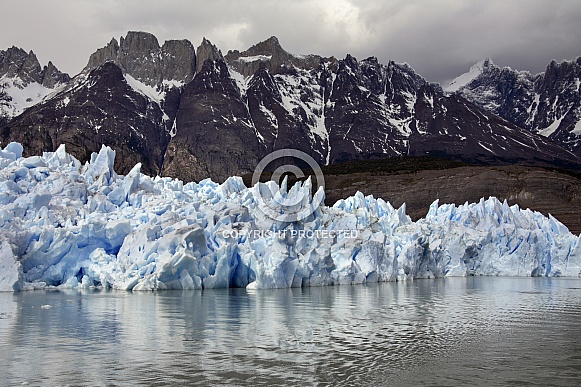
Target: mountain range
{"points": [[193, 112], [548, 103]]}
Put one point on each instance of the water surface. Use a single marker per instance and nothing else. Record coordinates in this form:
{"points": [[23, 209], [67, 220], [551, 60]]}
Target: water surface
{"points": [[454, 331]]}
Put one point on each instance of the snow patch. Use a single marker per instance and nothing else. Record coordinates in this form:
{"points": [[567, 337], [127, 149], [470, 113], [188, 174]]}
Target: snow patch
{"points": [[65, 102], [270, 115], [551, 128], [292, 89], [577, 129], [262, 58], [241, 81], [486, 148], [174, 129], [150, 92], [173, 83], [23, 96], [430, 101], [404, 125]]}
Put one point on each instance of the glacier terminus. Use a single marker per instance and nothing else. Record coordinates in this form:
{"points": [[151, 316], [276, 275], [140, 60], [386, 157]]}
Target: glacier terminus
{"points": [[68, 225]]}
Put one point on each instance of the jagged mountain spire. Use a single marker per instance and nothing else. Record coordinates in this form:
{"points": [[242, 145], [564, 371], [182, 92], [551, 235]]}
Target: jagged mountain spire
{"points": [[140, 55], [17, 63], [207, 51]]}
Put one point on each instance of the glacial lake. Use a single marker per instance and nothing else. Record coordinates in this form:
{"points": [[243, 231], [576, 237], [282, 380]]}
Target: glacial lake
{"points": [[446, 332]]}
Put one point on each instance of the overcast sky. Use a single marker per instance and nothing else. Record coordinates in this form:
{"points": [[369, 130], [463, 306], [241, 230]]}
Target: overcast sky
{"points": [[440, 39]]}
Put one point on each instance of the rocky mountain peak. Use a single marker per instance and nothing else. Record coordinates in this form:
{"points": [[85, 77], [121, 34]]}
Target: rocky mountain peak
{"points": [[270, 46], [178, 60], [206, 51], [487, 62], [557, 71], [139, 42], [18, 70], [102, 55], [51, 76], [17, 63], [24, 66], [139, 55], [350, 61], [275, 58], [548, 103], [475, 71]]}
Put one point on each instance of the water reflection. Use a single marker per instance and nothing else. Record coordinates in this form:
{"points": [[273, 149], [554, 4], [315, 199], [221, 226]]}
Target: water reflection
{"points": [[469, 331]]}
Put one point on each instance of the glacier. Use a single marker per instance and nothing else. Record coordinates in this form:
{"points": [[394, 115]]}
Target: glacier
{"points": [[68, 225]]}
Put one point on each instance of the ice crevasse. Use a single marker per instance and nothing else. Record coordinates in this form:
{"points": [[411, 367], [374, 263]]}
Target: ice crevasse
{"points": [[67, 225]]}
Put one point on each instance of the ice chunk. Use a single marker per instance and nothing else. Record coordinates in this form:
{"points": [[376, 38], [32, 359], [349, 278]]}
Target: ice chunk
{"points": [[12, 152], [33, 162], [100, 170], [60, 158], [10, 269]]}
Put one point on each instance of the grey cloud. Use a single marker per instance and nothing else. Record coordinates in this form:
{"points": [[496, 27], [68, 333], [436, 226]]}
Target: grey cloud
{"points": [[439, 39]]}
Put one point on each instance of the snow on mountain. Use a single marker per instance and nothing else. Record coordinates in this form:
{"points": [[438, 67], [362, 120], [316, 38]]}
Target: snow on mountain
{"points": [[21, 95], [254, 58], [475, 71], [194, 113], [24, 83], [551, 128], [548, 103], [577, 130], [66, 225], [151, 92], [301, 91], [241, 80]]}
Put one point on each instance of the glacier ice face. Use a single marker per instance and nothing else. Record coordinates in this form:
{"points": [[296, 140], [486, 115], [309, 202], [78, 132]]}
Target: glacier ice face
{"points": [[63, 224]]}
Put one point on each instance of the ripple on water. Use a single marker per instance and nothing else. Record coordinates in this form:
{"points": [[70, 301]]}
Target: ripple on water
{"points": [[469, 331]]}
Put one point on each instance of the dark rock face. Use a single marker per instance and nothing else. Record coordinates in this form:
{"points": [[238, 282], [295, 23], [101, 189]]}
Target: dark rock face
{"points": [[178, 60], [218, 116], [558, 114], [207, 51], [139, 55], [52, 77], [100, 108], [548, 103], [5, 100], [463, 132], [215, 136], [369, 111], [282, 122]]}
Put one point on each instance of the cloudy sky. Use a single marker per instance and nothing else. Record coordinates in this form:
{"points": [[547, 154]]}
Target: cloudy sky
{"points": [[440, 39]]}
